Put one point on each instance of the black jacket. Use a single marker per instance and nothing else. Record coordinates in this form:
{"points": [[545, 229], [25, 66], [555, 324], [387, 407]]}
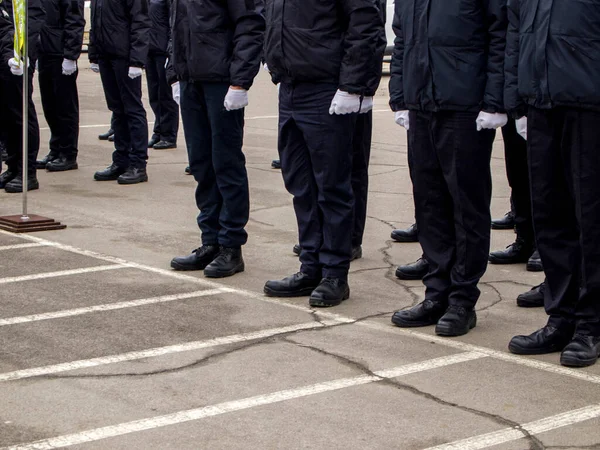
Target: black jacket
{"points": [[334, 41], [449, 55], [552, 55], [62, 33], [160, 32], [216, 40], [36, 21], [120, 29]]}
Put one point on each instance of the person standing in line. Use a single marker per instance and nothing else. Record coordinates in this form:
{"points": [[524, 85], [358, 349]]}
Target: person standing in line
{"points": [[447, 88], [119, 41], [11, 93], [212, 65], [60, 44], [552, 90], [166, 110], [324, 86]]}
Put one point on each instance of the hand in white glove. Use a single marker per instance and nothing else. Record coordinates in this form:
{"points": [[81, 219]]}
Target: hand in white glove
{"points": [[69, 67], [176, 92], [135, 72], [522, 127], [344, 103], [402, 119], [166, 63], [489, 121], [95, 68], [16, 66], [236, 99], [367, 105]]}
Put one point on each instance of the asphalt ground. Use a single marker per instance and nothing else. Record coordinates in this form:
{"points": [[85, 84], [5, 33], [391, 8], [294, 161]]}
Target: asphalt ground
{"points": [[102, 346]]}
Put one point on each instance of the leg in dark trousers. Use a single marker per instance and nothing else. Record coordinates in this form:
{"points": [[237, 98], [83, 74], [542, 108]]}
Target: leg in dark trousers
{"points": [[124, 99], [361, 155], [214, 139], [517, 172], [166, 110], [12, 118], [60, 102], [564, 165], [316, 161], [450, 168]]}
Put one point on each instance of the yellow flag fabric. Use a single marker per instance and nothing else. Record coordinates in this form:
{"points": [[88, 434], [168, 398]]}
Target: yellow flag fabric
{"points": [[19, 19]]}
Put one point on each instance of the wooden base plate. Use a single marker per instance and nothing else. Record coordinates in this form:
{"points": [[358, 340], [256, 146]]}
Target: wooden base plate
{"points": [[17, 224]]}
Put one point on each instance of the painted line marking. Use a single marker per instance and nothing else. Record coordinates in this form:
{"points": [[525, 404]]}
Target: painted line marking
{"points": [[98, 434], [61, 273], [20, 246], [159, 351], [108, 307], [534, 428]]}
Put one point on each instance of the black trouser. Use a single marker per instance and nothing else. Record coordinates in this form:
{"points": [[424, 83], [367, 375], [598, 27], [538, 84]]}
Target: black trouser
{"points": [[61, 105], [166, 110], [564, 161], [361, 154], [214, 139], [124, 99], [316, 161], [450, 168], [517, 172], [11, 117]]}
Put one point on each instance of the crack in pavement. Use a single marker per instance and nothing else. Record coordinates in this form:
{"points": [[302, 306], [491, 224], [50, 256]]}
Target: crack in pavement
{"points": [[493, 288], [534, 442], [367, 270], [253, 220], [265, 208]]}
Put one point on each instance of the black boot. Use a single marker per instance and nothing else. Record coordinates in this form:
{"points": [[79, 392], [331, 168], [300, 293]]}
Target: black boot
{"points": [[228, 262], [506, 223], [533, 298], [411, 234], [582, 351], [42, 163], [107, 135], [16, 184], [62, 164], [424, 314], [330, 292], [6, 177], [188, 171], [153, 141], [198, 260], [535, 263], [541, 342], [414, 271], [133, 175], [457, 321], [276, 164], [164, 145], [111, 173], [297, 285], [297, 249], [516, 253]]}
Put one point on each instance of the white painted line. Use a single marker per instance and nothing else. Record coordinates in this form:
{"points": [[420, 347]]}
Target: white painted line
{"points": [[159, 351], [108, 307], [61, 273], [20, 246], [533, 428], [236, 405]]}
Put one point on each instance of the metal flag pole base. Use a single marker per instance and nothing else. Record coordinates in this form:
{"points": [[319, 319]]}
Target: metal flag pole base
{"points": [[29, 224]]}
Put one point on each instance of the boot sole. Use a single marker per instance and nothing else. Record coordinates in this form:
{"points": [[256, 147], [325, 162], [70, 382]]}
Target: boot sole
{"points": [[569, 361], [100, 178], [403, 276], [318, 303], [62, 169], [447, 332], [405, 240], [288, 294], [502, 227], [139, 180], [403, 324], [18, 191], [210, 273], [506, 262], [535, 267], [517, 350], [182, 268], [527, 304]]}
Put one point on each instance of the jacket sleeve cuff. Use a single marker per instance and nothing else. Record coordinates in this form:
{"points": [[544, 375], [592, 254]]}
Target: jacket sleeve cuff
{"points": [[398, 106]]}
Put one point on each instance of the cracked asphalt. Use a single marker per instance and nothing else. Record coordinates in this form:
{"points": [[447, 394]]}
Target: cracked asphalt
{"points": [[138, 357]]}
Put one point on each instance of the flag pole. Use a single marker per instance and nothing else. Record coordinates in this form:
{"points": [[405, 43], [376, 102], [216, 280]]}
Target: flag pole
{"points": [[25, 171]]}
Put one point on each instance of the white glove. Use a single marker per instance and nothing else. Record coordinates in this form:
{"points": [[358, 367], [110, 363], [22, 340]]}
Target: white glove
{"points": [[166, 63], [367, 105], [95, 68], [522, 127], [344, 103], [266, 67], [176, 92], [135, 72], [69, 67], [488, 121], [16, 66], [236, 99], [402, 119]]}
